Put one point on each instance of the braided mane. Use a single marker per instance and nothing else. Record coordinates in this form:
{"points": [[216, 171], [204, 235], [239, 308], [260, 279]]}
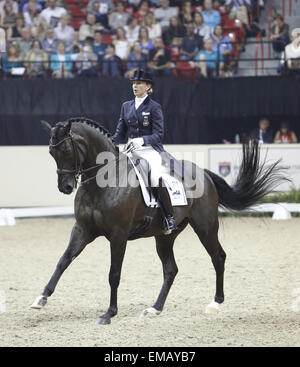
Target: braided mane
{"points": [[86, 121], [92, 123]]}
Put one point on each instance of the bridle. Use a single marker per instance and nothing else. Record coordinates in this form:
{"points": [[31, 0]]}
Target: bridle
{"points": [[77, 171]]}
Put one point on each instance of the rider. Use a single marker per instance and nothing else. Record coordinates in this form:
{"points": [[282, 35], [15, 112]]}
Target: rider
{"points": [[142, 124]]}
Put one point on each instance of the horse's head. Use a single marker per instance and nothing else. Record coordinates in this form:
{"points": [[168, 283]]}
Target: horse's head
{"points": [[67, 153]]}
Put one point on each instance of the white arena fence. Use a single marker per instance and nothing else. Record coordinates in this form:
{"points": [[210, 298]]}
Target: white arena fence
{"points": [[28, 185]]}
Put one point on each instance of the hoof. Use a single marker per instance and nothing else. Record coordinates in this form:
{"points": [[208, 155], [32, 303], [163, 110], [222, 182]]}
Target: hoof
{"points": [[212, 308], [39, 302], [150, 310], [103, 321]]}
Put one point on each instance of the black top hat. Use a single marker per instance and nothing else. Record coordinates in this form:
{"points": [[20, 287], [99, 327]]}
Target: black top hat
{"points": [[143, 76]]}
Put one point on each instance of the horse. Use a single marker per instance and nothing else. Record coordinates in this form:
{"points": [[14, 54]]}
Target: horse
{"points": [[120, 214]]}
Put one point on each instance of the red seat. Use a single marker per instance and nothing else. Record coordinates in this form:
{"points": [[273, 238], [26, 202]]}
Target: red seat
{"points": [[76, 11], [197, 9], [235, 26], [107, 38], [185, 70], [175, 53], [233, 39], [76, 23]]}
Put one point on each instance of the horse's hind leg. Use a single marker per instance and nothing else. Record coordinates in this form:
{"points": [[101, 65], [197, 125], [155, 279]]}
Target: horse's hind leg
{"points": [[164, 248], [209, 239], [79, 239]]}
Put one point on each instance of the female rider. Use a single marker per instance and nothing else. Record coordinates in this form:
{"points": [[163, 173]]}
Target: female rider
{"points": [[142, 124]]}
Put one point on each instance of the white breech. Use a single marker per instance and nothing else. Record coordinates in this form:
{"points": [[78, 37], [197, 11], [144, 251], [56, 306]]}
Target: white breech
{"points": [[154, 160]]}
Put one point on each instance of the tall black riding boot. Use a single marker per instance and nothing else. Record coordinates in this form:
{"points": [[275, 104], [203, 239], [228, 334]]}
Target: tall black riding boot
{"points": [[167, 208]]}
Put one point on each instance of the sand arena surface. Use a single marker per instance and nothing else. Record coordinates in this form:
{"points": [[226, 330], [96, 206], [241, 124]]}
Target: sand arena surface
{"points": [[262, 272]]}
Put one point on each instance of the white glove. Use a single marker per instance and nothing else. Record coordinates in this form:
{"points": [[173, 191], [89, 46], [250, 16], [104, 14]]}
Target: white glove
{"points": [[137, 142]]}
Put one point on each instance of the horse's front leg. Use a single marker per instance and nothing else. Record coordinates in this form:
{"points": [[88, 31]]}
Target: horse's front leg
{"points": [[79, 239], [117, 250]]}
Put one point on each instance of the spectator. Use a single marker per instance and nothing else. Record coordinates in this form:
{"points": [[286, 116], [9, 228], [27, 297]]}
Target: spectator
{"points": [[119, 17], [61, 62], [222, 44], [164, 13], [134, 4], [191, 44], [52, 13], [175, 32], [64, 31], [160, 59], [143, 9], [14, 4], [101, 18], [155, 3], [49, 43], [132, 30], [86, 62], [238, 9], [36, 61], [211, 17], [98, 47], [279, 35], [8, 17], [2, 42], [11, 61], [105, 6], [14, 33], [285, 134], [154, 29], [292, 53], [73, 48], [262, 133], [122, 46], [31, 17], [208, 60], [186, 16], [25, 42], [145, 41], [201, 29], [23, 6], [111, 62], [136, 60], [87, 30]]}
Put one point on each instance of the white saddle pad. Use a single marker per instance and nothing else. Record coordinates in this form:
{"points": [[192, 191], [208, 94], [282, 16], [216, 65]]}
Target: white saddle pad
{"points": [[174, 186]]}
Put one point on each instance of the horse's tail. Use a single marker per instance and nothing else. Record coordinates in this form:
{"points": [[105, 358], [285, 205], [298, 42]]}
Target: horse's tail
{"points": [[254, 180]]}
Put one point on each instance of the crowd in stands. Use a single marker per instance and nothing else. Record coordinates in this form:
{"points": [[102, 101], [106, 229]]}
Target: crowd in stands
{"points": [[264, 133], [117, 37], [108, 37]]}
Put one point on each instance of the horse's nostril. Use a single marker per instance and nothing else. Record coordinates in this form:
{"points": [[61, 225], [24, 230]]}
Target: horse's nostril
{"points": [[69, 188]]}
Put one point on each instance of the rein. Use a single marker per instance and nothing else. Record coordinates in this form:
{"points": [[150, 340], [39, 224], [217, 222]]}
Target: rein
{"points": [[78, 170]]}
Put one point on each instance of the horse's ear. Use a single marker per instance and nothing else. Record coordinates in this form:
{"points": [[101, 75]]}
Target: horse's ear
{"points": [[46, 126], [68, 126]]}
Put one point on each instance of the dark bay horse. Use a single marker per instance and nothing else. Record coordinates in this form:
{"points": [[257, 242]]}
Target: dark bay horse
{"points": [[120, 214]]}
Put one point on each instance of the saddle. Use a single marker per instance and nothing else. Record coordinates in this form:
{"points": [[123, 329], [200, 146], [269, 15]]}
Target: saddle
{"points": [[175, 187]]}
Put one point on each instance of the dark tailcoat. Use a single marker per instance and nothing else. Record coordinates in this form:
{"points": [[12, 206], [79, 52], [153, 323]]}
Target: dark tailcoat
{"points": [[146, 122]]}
